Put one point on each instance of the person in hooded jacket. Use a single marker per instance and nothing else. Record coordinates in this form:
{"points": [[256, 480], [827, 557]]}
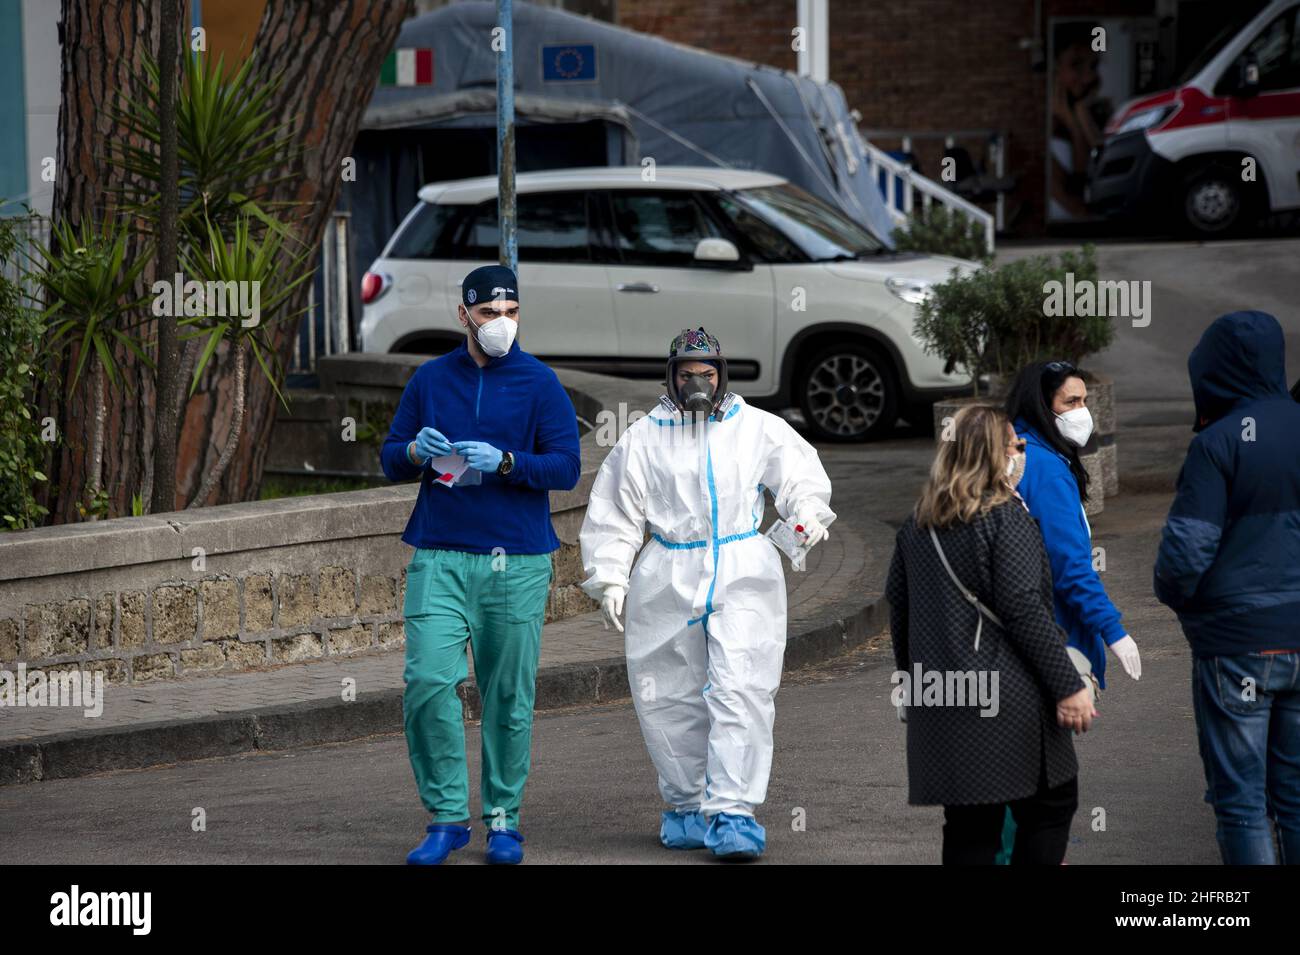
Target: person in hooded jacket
{"points": [[1229, 565]]}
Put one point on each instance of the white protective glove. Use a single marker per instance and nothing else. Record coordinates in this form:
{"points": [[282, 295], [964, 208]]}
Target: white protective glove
{"points": [[814, 531], [1127, 650], [611, 606]]}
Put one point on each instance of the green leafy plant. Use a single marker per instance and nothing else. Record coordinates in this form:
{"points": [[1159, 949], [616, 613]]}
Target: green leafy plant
{"points": [[22, 374], [994, 319], [938, 230], [250, 268], [228, 143], [90, 292], [231, 152]]}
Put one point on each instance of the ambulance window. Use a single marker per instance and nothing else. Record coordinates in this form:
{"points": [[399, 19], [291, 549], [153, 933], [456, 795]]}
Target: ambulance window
{"points": [[1277, 51]]}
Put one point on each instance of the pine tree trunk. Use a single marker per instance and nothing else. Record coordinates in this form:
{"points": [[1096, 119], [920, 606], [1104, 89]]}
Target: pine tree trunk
{"points": [[236, 425], [160, 453], [330, 52], [97, 441], [103, 43]]}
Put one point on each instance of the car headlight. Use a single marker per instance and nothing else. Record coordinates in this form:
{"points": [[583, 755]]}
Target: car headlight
{"points": [[1146, 119], [912, 291]]}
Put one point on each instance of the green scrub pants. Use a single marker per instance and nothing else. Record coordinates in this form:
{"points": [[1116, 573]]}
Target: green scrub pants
{"points": [[496, 604]]}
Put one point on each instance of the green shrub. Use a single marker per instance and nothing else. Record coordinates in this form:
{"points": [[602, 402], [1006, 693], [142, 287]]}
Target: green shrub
{"points": [[993, 320], [22, 373], [939, 230]]}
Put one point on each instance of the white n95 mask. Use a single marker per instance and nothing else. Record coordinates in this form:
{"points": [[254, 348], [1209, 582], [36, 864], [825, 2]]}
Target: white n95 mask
{"points": [[496, 337], [1075, 426]]}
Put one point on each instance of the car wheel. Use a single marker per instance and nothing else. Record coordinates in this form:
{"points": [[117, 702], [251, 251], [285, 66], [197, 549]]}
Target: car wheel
{"points": [[1214, 202], [848, 393]]}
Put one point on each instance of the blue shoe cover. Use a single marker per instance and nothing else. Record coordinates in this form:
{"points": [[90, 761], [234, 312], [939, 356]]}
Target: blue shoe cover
{"points": [[732, 836], [683, 830], [441, 840], [505, 847]]}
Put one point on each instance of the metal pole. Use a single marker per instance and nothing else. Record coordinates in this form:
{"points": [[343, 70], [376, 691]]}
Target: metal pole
{"points": [[509, 251], [342, 277]]}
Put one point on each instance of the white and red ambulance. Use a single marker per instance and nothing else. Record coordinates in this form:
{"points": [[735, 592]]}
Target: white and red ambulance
{"points": [[1222, 148]]}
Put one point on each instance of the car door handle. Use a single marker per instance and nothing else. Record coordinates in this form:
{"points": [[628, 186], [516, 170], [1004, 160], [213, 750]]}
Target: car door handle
{"points": [[637, 287]]}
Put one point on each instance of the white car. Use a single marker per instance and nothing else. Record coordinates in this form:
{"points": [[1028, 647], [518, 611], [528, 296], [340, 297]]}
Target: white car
{"points": [[811, 308]]}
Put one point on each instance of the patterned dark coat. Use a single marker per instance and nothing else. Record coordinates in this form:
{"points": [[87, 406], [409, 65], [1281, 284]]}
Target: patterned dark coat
{"points": [[955, 756]]}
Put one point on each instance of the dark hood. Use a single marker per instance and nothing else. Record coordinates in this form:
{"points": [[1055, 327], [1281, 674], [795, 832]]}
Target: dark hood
{"points": [[1241, 357]]}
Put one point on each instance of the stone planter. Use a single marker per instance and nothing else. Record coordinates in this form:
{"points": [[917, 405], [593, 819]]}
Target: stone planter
{"points": [[947, 408], [1102, 444]]}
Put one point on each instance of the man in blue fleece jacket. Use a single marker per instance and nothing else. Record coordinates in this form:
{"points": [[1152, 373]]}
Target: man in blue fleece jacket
{"points": [[482, 564], [1229, 565]]}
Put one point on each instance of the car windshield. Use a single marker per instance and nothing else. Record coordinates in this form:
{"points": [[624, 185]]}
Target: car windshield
{"points": [[823, 233]]}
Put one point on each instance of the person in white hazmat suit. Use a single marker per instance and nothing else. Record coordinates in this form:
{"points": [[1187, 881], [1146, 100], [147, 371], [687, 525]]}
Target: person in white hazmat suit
{"points": [[706, 600]]}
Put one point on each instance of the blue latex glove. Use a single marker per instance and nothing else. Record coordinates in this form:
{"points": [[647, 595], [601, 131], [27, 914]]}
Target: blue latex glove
{"points": [[430, 443], [481, 455]]}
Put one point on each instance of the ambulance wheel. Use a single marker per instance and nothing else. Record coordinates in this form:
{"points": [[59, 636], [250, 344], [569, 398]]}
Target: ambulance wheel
{"points": [[1215, 202]]}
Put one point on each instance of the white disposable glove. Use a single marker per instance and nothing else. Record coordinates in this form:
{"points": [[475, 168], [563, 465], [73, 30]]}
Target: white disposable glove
{"points": [[814, 531], [611, 606], [1127, 651]]}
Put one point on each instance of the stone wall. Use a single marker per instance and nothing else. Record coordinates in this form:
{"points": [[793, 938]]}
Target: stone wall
{"points": [[248, 585]]}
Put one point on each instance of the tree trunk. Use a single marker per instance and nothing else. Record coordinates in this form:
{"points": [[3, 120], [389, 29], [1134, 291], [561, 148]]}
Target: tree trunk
{"points": [[330, 52], [236, 424], [159, 490], [97, 441], [103, 42]]}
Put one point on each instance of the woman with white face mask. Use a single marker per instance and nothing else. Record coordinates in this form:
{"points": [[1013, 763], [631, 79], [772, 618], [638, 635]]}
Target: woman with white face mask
{"points": [[1047, 406]]}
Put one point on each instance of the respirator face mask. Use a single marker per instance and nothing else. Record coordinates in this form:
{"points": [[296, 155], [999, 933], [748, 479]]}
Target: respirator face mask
{"points": [[494, 336], [696, 394]]}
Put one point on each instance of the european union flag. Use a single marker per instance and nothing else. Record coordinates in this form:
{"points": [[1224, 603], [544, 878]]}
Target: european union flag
{"points": [[569, 61]]}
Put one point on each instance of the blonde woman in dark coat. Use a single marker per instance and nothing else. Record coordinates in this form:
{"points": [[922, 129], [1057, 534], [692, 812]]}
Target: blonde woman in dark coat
{"points": [[990, 695]]}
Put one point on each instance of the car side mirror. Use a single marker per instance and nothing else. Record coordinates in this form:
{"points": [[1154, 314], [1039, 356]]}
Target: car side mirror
{"points": [[716, 250], [1248, 78]]}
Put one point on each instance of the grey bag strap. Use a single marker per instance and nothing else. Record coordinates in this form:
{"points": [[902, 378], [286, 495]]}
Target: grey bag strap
{"points": [[974, 601]]}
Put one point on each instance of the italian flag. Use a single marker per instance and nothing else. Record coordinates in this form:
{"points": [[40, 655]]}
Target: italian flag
{"points": [[407, 67]]}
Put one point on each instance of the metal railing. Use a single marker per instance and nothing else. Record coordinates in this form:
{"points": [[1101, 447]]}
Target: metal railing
{"points": [[326, 329], [35, 230], [901, 183]]}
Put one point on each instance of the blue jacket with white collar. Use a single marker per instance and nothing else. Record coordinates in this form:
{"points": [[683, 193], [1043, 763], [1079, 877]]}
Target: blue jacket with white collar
{"points": [[514, 403], [1090, 620]]}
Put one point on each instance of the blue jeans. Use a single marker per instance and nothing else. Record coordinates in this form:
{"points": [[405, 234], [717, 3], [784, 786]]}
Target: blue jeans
{"points": [[1248, 727]]}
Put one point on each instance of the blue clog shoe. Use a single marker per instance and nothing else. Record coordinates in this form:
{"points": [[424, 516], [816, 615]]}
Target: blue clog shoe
{"points": [[735, 837], [505, 847], [683, 830], [441, 841]]}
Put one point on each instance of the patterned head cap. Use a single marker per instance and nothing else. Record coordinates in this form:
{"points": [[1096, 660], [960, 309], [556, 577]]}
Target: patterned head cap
{"points": [[694, 340]]}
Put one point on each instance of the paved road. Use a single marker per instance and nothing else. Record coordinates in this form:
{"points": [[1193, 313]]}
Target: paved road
{"points": [[839, 763]]}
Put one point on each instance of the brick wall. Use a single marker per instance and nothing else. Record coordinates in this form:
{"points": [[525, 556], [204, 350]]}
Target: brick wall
{"points": [[906, 64]]}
